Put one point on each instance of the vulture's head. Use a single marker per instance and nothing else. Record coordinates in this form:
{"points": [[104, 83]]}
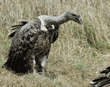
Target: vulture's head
{"points": [[72, 15]]}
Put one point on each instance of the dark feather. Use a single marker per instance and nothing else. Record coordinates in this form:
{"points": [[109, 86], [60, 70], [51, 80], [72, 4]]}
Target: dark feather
{"points": [[24, 22], [106, 71], [56, 33], [100, 82], [11, 35]]}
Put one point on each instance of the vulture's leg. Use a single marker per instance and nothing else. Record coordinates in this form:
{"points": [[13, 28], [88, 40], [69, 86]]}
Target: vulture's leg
{"points": [[43, 63], [40, 62], [34, 64]]}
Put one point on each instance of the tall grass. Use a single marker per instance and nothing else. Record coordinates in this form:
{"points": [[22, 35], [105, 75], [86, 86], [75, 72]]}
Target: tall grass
{"points": [[80, 50]]}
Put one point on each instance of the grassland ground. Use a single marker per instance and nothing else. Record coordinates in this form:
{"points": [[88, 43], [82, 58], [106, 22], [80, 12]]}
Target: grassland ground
{"points": [[80, 50]]}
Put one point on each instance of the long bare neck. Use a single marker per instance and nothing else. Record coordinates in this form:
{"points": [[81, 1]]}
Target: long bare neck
{"points": [[52, 20]]}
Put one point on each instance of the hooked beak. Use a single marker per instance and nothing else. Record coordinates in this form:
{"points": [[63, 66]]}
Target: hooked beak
{"points": [[78, 20]]}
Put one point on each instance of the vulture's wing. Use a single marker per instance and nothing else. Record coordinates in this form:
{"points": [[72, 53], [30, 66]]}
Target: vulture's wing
{"points": [[21, 51]]}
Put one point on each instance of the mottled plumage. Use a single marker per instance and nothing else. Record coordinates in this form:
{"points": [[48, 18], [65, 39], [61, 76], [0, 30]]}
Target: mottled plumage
{"points": [[32, 40], [29, 43]]}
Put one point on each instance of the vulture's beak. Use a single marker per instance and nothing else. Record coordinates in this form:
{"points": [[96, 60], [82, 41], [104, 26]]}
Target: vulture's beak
{"points": [[78, 19]]}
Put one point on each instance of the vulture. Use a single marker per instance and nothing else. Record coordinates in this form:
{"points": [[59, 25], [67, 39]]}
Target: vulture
{"points": [[32, 40], [102, 81]]}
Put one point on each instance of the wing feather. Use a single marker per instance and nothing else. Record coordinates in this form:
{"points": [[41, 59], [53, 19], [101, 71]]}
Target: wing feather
{"points": [[17, 27]]}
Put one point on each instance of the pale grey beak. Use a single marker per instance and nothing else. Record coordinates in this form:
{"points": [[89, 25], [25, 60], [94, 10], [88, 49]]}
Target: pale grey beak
{"points": [[78, 19]]}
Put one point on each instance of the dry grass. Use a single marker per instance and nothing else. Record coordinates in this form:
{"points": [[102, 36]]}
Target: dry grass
{"points": [[80, 50]]}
